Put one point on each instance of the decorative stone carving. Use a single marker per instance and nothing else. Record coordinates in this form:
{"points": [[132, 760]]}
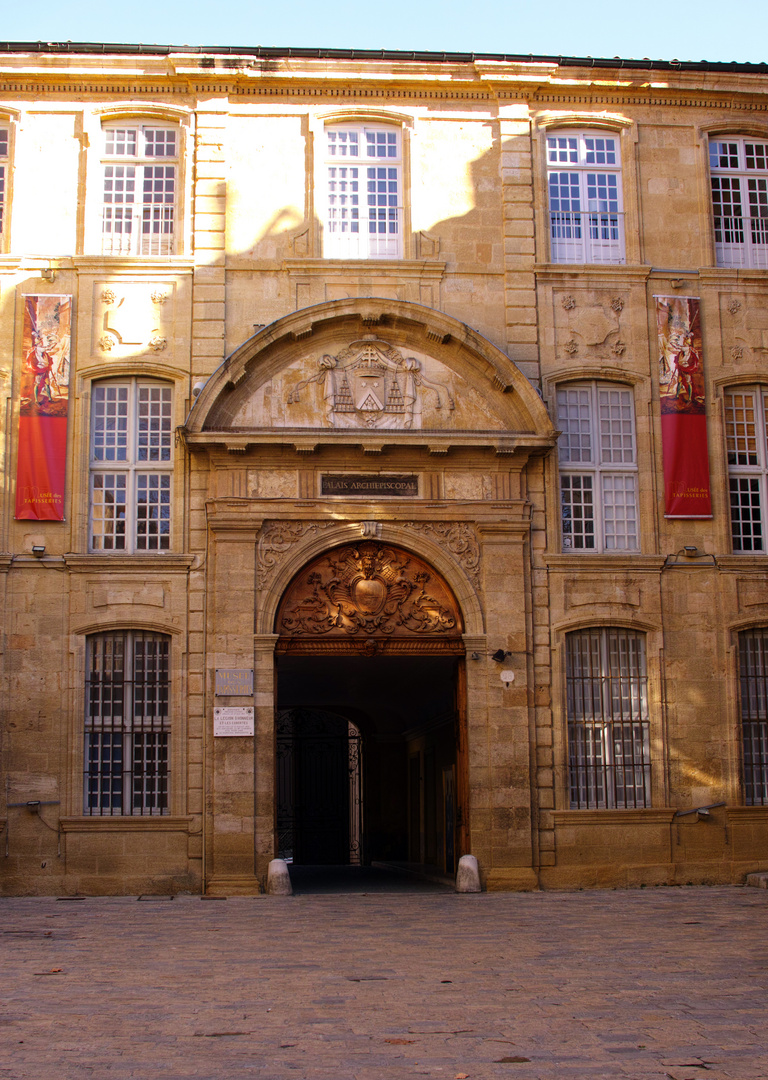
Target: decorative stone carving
{"points": [[368, 589], [157, 343], [568, 303], [276, 540], [737, 353], [107, 342], [157, 296], [457, 537], [371, 384], [108, 296], [734, 306], [570, 346], [618, 348], [617, 304]]}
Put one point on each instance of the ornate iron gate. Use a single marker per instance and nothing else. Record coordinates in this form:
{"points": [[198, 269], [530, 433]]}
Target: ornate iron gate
{"points": [[319, 788]]}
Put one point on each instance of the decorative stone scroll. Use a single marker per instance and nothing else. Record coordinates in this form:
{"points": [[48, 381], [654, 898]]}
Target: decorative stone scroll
{"points": [[457, 537], [371, 384], [370, 590], [276, 540]]}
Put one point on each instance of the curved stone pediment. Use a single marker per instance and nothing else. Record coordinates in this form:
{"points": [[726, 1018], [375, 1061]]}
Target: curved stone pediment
{"points": [[372, 365]]}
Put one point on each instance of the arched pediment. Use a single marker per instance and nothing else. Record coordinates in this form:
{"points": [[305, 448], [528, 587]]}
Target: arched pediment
{"points": [[374, 366]]}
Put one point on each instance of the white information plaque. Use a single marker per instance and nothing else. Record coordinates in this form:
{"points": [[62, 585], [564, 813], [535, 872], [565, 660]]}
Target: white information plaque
{"points": [[232, 721]]}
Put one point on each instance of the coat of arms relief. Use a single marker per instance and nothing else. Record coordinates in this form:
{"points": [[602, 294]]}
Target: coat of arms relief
{"points": [[371, 384]]}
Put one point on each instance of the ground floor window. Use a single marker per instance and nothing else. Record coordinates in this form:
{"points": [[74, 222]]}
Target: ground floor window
{"points": [[753, 665], [609, 764], [127, 723]]}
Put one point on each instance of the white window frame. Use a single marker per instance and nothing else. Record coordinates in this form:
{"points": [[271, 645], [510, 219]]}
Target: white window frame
{"points": [[140, 188], [609, 744], [5, 178], [127, 724], [584, 196], [363, 197], [746, 444], [598, 467], [131, 466], [738, 168]]}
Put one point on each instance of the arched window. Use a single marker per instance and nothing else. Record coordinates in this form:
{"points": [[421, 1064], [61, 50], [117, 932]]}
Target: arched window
{"points": [[363, 214], [609, 762], [739, 178], [586, 210], [598, 467], [127, 723], [140, 188], [131, 448]]}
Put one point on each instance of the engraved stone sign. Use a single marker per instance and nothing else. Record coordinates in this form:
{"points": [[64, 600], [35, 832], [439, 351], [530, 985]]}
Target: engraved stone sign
{"points": [[233, 682], [371, 485], [231, 721]]}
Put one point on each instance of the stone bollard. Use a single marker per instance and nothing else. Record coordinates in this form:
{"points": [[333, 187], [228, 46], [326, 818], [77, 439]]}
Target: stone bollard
{"points": [[278, 879], [468, 875]]}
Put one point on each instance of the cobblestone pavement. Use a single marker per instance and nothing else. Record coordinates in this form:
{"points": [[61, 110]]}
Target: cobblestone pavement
{"points": [[668, 983]]}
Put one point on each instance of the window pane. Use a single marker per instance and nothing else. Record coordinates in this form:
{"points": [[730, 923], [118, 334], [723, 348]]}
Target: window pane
{"points": [[617, 427], [608, 728], [154, 424], [121, 142], [746, 515], [619, 513], [574, 418], [578, 512], [753, 664], [159, 142], [740, 428], [153, 512], [108, 509], [109, 440]]}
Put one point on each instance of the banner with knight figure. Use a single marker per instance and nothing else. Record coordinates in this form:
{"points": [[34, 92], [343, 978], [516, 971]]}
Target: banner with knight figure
{"points": [[683, 414], [44, 400]]}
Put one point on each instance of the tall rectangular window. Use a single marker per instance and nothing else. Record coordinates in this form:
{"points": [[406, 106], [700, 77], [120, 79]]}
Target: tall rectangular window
{"points": [[753, 669], [739, 180], [130, 477], [139, 194], [586, 218], [127, 723], [746, 434], [609, 762], [598, 468], [363, 175]]}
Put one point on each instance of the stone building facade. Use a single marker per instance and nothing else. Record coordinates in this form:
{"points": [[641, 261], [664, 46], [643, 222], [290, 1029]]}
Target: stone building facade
{"points": [[363, 455]]}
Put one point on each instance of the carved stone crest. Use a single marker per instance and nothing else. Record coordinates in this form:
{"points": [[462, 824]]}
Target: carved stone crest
{"points": [[371, 384], [368, 589]]}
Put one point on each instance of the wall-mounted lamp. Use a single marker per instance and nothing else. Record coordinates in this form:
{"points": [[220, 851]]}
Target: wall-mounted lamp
{"points": [[691, 551], [507, 676], [48, 273], [197, 388], [38, 550], [500, 656]]}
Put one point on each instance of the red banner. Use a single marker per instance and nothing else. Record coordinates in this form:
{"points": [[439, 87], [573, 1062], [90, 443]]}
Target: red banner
{"points": [[683, 415], [42, 456]]}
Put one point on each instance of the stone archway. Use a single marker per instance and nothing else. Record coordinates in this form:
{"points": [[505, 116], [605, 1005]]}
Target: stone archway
{"points": [[370, 632]]}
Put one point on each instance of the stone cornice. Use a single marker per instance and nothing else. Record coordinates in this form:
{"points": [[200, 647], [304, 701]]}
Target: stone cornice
{"points": [[602, 562], [151, 562], [308, 441]]}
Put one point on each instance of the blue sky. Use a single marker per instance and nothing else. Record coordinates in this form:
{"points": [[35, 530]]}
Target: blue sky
{"points": [[660, 29]]}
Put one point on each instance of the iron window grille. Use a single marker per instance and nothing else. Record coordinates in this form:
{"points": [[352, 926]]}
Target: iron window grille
{"points": [[130, 481], [127, 724], [609, 764], [739, 181], [139, 190], [598, 468], [753, 671], [746, 435], [363, 176], [586, 217]]}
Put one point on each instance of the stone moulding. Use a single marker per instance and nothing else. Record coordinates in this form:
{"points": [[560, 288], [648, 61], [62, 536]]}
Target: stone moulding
{"points": [[457, 537], [276, 540]]}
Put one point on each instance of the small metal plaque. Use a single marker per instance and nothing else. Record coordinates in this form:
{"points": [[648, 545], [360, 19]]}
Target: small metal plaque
{"points": [[369, 484], [233, 682], [230, 721]]}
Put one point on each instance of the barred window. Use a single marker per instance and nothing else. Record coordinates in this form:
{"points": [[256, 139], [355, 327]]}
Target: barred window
{"points": [[598, 468], [127, 724], [609, 763], [753, 669], [363, 175], [140, 190], [130, 483], [746, 434], [586, 218], [739, 181]]}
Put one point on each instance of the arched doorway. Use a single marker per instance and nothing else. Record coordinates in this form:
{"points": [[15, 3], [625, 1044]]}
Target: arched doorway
{"points": [[370, 642]]}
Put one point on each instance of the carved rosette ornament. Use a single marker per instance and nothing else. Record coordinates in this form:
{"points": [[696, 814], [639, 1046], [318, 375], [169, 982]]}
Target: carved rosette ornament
{"points": [[108, 296], [370, 591]]}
